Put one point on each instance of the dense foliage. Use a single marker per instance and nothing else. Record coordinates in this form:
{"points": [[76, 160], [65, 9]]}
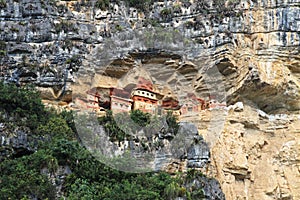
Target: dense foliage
{"points": [[123, 125], [37, 175], [89, 179], [102, 4], [139, 4], [22, 104]]}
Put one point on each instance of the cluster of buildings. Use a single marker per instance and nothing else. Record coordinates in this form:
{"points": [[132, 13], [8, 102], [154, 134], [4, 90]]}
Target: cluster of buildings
{"points": [[142, 96]]}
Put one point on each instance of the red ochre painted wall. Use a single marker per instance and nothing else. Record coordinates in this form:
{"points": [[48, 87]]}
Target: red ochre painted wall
{"points": [[119, 104]]}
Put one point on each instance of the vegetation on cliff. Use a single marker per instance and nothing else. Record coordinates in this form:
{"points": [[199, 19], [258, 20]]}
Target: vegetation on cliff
{"points": [[37, 175], [123, 125], [22, 105]]}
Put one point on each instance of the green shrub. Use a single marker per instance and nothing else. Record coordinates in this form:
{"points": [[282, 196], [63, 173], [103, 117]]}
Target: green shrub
{"points": [[2, 3], [119, 126], [141, 118], [23, 104], [165, 12], [233, 2], [2, 52], [56, 127], [68, 117], [65, 26], [14, 29], [118, 27], [2, 45], [102, 4], [142, 5], [172, 190], [74, 62], [172, 122], [152, 22], [21, 178]]}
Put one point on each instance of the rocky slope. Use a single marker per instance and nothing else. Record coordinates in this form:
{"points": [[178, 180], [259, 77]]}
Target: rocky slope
{"points": [[245, 51]]}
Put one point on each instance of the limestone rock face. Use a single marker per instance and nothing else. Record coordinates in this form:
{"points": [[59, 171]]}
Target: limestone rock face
{"points": [[236, 51], [254, 45], [257, 157], [15, 143]]}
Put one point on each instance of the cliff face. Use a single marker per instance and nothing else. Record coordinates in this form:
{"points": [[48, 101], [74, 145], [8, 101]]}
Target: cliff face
{"points": [[256, 155], [254, 45], [245, 51]]}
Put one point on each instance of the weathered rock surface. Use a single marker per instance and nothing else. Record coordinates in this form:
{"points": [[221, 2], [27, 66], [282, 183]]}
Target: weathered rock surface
{"points": [[15, 143], [255, 156], [244, 51], [253, 44]]}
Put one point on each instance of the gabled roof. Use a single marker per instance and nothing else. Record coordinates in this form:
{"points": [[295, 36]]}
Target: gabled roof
{"points": [[120, 93], [170, 103], [145, 84], [93, 92], [192, 96]]}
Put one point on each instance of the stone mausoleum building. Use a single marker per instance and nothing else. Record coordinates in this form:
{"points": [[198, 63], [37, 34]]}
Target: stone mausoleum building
{"points": [[192, 104], [144, 97], [93, 98], [169, 104], [120, 101]]}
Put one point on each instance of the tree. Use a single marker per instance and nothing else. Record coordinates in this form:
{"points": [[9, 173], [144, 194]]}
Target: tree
{"points": [[141, 118], [23, 104], [56, 127], [173, 125]]}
